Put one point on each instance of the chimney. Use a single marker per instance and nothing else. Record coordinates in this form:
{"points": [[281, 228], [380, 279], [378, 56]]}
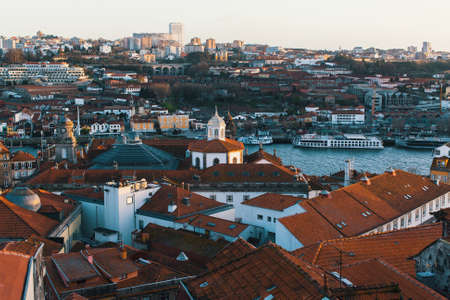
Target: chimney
{"points": [[90, 259], [391, 171], [325, 194], [275, 152], [123, 253], [171, 207], [365, 179], [246, 151], [347, 172]]}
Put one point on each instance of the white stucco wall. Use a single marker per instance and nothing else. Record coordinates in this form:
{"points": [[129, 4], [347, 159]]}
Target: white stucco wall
{"points": [[221, 196], [92, 216], [120, 212], [285, 239], [249, 215]]}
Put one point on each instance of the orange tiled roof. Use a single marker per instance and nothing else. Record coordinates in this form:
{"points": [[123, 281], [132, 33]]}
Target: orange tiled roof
{"points": [[216, 146], [261, 154], [273, 201], [50, 246], [23, 156], [214, 224], [379, 272], [247, 173], [310, 227], [3, 149], [395, 247], [13, 271], [237, 249], [361, 207], [266, 271], [18, 222], [165, 195], [55, 203]]}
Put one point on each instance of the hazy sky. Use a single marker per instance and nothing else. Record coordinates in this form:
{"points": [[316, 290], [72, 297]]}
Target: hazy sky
{"points": [[290, 23]]}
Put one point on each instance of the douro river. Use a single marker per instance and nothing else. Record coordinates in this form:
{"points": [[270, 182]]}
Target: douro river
{"points": [[328, 161]]}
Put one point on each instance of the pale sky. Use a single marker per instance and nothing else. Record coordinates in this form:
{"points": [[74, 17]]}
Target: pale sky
{"points": [[325, 24]]}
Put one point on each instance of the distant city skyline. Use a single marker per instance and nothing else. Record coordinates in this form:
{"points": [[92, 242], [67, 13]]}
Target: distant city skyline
{"points": [[318, 25]]}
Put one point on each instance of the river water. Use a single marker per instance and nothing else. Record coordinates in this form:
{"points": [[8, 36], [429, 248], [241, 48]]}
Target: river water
{"points": [[328, 161]]}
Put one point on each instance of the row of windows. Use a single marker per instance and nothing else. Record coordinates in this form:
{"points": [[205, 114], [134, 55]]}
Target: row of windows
{"points": [[268, 218], [401, 222], [229, 198]]}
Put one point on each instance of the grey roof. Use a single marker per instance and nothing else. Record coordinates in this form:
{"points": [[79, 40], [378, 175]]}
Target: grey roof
{"points": [[135, 156], [24, 197]]}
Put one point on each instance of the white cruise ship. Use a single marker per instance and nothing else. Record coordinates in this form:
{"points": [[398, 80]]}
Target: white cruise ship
{"points": [[263, 137], [345, 141]]}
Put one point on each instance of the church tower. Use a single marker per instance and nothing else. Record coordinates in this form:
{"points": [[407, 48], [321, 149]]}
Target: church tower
{"points": [[67, 143], [216, 128], [216, 149]]}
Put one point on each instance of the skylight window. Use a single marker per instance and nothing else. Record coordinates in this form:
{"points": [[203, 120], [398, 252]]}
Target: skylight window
{"points": [[204, 284], [232, 226], [210, 224]]}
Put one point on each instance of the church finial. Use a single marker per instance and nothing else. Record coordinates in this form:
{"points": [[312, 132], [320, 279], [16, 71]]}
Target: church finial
{"points": [[217, 114]]}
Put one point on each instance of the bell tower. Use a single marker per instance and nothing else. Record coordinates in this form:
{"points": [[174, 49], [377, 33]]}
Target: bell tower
{"points": [[216, 128]]}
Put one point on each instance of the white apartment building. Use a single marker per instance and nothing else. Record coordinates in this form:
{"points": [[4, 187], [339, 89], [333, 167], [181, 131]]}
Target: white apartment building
{"points": [[263, 212], [57, 73], [389, 201], [347, 117]]}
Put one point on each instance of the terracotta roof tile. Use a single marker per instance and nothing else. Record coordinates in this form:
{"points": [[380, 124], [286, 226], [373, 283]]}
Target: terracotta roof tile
{"points": [[18, 222], [12, 283], [247, 173], [55, 203], [3, 149], [166, 194], [232, 251], [214, 224], [273, 201], [260, 155], [23, 156], [379, 272], [395, 247], [266, 271], [361, 207], [310, 227], [216, 146]]}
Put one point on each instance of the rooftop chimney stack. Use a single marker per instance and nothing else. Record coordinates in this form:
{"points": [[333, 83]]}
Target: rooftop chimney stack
{"points": [[347, 172], [123, 253], [391, 171], [365, 179]]}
